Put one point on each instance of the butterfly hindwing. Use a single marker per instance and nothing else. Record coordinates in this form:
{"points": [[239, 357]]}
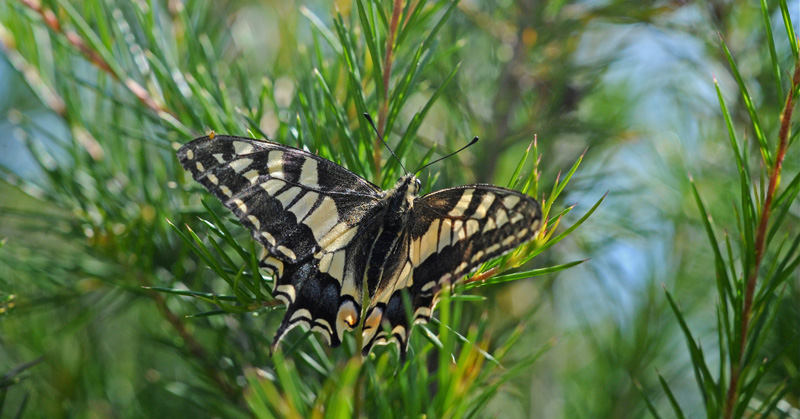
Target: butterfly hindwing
{"points": [[306, 211], [453, 232]]}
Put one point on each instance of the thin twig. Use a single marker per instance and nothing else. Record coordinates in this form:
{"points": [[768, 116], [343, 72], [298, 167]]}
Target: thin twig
{"points": [[388, 58], [774, 179], [46, 94], [483, 276]]}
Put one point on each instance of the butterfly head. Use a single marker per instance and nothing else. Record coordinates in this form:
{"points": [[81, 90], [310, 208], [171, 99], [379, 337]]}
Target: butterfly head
{"points": [[412, 185], [404, 193]]}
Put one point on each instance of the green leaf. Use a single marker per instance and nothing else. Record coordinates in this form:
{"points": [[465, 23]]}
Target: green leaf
{"points": [[676, 408], [787, 24], [773, 54], [748, 102]]}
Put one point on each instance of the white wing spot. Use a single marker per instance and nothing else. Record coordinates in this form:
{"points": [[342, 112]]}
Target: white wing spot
{"points": [[225, 190], [269, 238], [458, 227], [305, 314], [200, 167], [241, 205], [330, 235], [303, 205], [508, 240], [462, 204], [483, 207], [510, 201], [219, 158], [287, 196], [286, 251], [242, 147], [308, 174], [275, 264], [326, 326], [275, 163], [415, 250], [349, 285], [407, 275], [342, 240], [322, 219], [428, 242], [461, 267], [326, 334], [493, 248], [502, 218], [490, 225], [477, 256], [422, 314], [445, 237], [325, 262], [240, 164], [252, 176], [472, 227], [272, 186], [337, 266], [213, 178], [288, 290], [522, 233], [428, 286], [400, 330], [516, 218], [254, 221], [190, 154], [372, 324]]}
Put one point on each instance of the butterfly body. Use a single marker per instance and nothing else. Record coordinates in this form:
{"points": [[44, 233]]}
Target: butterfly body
{"points": [[330, 236]]}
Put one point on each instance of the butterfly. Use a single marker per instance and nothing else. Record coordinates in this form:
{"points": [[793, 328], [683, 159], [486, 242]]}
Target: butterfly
{"points": [[331, 237]]}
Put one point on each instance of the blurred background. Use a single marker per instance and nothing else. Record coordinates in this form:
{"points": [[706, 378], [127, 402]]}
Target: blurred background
{"points": [[89, 178]]}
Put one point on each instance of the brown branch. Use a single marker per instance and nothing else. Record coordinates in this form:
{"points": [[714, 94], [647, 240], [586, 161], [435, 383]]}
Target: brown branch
{"points": [[387, 73], [483, 276], [51, 20], [761, 233]]}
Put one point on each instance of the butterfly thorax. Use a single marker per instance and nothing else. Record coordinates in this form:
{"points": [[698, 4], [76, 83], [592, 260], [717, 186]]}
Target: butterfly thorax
{"points": [[397, 213]]}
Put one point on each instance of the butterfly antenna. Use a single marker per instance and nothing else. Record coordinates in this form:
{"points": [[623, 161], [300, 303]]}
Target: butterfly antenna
{"points": [[369, 118], [474, 140]]}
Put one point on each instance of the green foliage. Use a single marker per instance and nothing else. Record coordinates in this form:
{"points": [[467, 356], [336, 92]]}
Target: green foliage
{"points": [[156, 79], [122, 289], [767, 250]]}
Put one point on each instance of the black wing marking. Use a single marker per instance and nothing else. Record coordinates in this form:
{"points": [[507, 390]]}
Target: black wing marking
{"points": [[306, 211], [454, 231]]}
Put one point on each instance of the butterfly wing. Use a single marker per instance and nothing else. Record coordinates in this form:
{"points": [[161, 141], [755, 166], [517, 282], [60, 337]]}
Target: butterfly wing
{"points": [[306, 211], [453, 232]]}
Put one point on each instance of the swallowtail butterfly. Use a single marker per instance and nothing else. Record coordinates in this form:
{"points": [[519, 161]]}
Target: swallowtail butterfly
{"points": [[330, 236]]}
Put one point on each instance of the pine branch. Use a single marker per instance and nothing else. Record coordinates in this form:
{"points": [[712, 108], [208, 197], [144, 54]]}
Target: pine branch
{"points": [[51, 20], [774, 179]]}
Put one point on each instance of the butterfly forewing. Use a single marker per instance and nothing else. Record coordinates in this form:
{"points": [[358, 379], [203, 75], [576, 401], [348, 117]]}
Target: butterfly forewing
{"points": [[306, 211]]}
